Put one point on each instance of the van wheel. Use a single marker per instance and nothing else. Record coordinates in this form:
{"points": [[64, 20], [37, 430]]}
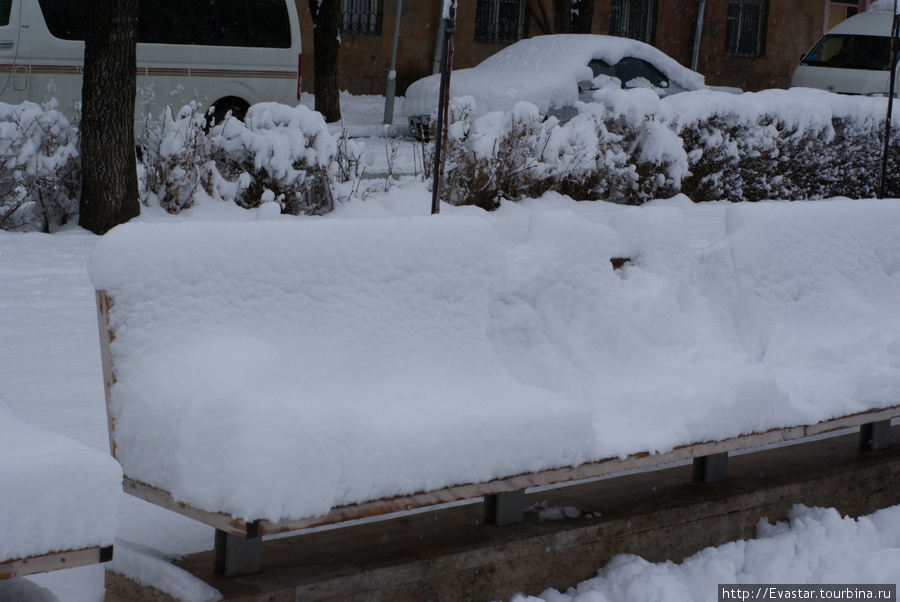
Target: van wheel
{"points": [[219, 110]]}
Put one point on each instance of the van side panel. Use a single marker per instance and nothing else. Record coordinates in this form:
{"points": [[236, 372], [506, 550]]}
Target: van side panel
{"points": [[842, 81], [167, 74], [56, 66], [9, 46]]}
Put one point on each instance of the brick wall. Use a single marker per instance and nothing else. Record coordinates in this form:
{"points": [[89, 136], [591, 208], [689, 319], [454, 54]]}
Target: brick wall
{"points": [[365, 60], [793, 26]]}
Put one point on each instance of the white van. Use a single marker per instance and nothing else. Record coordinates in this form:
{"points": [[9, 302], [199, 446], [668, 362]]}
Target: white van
{"points": [[223, 53], [851, 58]]}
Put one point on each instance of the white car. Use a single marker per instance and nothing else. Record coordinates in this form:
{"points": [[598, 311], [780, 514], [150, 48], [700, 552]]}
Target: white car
{"points": [[552, 72]]}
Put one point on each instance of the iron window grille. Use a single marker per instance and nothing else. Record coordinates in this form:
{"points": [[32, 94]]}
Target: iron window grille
{"points": [[500, 21], [361, 17], [635, 19], [745, 30]]}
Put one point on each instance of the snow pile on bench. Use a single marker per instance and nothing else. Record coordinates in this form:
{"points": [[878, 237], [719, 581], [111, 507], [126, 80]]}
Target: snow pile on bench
{"points": [[56, 494], [814, 294], [279, 369]]}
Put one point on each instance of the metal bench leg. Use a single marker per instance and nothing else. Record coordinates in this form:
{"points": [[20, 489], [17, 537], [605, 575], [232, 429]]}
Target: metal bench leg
{"points": [[711, 469], [106, 554], [504, 508], [235, 556], [875, 436]]}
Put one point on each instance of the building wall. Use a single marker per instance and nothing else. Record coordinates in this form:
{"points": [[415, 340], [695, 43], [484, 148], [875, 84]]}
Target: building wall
{"points": [[793, 27], [364, 62]]}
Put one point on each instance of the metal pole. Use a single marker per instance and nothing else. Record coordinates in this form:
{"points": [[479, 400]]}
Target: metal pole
{"points": [[890, 107], [392, 74], [696, 51], [443, 102], [439, 45]]}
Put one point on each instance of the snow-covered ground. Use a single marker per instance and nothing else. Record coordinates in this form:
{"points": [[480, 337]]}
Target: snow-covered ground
{"points": [[50, 376]]}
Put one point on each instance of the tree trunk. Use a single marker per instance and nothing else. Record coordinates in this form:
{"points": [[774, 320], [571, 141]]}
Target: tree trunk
{"points": [[569, 16], [562, 15], [109, 194], [326, 16], [583, 19], [538, 12]]}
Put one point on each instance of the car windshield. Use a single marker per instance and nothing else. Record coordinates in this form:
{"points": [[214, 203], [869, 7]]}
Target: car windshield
{"points": [[631, 69], [872, 53]]}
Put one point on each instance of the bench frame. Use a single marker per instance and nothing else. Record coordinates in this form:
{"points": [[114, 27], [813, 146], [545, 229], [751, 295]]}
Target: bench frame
{"points": [[238, 543], [20, 567]]}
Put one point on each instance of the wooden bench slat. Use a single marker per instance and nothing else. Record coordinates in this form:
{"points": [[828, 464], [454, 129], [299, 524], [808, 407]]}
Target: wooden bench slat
{"points": [[55, 561]]}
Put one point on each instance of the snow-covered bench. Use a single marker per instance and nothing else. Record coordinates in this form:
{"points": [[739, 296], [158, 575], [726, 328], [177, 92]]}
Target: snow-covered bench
{"points": [[269, 376], [59, 500]]}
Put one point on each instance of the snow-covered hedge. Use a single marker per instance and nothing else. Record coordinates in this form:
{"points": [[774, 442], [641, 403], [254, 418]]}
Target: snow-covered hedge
{"points": [[783, 144], [175, 153], [496, 156], [598, 154], [278, 153], [40, 168], [631, 146]]}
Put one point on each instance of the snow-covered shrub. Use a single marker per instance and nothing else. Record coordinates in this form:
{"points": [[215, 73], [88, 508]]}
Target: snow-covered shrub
{"points": [[277, 153], [766, 159], [496, 156], [623, 153], [630, 146], [781, 144], [754, 147], [347, 157], [176, 153], [40, 167], [855, 158], [589, 158], [280, 149], [602, 153]]}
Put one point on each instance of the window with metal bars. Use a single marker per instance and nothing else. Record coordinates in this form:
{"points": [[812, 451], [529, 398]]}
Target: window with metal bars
{"points": [[500, 21], [745, 30], [361, 17], [635, 19]]}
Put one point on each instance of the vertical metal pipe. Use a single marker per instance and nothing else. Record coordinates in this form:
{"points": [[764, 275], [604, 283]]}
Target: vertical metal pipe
{"points": [[697, 32], [392, 74], [890, 107], [439, 44], [443, 102]]}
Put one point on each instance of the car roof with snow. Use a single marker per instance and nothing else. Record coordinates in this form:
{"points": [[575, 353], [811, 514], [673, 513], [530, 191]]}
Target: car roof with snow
{"points": [[544, 70]]}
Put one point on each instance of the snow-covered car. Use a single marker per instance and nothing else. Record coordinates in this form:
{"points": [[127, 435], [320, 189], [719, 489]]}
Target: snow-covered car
{"points": [[552, 72]]}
